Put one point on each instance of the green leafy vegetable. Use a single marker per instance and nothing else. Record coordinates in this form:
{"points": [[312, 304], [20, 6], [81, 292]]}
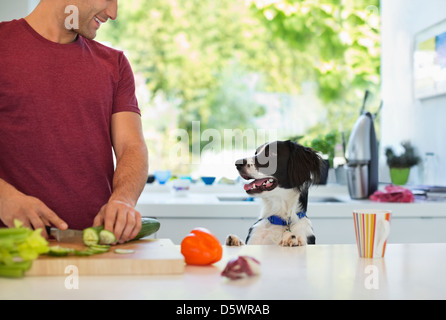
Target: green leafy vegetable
{"points": [[19, 246]]}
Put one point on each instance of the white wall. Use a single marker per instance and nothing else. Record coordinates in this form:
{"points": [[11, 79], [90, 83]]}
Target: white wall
{"points": [[403, 117], [16, 9]]}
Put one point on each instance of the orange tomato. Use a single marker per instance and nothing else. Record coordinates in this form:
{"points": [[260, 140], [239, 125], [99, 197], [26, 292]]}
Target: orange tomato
{"points": [[201, 247]]}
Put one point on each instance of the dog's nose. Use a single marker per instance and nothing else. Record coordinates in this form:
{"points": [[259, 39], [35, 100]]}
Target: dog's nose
{"points": [[240, 163]]}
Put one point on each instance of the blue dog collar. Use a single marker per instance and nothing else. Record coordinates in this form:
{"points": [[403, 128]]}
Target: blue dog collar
{"points": [[301, 214], [278, 221]]}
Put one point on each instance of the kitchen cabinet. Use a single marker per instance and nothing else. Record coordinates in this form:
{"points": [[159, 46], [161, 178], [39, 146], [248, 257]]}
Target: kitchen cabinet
{"points": [[177, 228], [330, 210], [402, 230], [327, 230]]}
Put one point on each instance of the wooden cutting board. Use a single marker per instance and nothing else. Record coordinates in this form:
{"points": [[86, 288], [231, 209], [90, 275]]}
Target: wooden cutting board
{"points": [[150, 257]]}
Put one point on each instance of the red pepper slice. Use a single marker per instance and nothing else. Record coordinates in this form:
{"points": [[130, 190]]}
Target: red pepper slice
{"points": [[201, 247]]}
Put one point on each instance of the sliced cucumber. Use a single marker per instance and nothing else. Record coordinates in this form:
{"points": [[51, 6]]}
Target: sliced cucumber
{"points": [[83, 253], [97, 248], [106, 237], [124, 251], [90, 235], [100, 246], [57, 251]]}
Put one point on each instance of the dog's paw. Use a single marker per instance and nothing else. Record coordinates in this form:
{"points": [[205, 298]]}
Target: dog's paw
{"points": [[291, 240], [233, 241]]}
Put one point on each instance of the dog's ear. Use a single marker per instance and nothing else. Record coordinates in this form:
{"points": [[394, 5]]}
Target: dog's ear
{"points": [[304, 165]]}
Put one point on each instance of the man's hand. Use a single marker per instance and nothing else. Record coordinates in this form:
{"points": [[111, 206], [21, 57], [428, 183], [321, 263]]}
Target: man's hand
{"points": [[32, 212], [121, 218]]}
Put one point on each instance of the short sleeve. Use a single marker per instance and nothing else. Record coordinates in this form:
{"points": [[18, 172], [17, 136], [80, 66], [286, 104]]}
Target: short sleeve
{"points": [[125, 97]]}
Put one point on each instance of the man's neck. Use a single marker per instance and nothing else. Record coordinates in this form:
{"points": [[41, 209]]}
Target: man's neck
{"points": [[48, 21]]}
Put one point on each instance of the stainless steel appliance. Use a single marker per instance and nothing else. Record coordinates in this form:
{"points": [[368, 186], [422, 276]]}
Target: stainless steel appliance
{"points": [[362, 158]]}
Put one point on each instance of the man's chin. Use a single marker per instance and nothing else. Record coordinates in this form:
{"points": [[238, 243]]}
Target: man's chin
{"points": [[87, 34]]}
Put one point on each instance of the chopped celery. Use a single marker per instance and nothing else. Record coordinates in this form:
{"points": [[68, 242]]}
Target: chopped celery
{"points": [[11, 272], [15, 270], [18, 247]]}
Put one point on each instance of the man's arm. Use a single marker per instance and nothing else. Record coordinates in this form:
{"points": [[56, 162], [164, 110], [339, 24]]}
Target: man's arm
{"points": [[32, 212], [119, 214]]}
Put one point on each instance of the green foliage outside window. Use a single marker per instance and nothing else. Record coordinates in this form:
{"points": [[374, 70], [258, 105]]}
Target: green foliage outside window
{"points": [[206, 60]]}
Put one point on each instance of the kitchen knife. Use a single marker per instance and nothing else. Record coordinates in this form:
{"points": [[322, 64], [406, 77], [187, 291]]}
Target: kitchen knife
{"points": [[65, 235]]}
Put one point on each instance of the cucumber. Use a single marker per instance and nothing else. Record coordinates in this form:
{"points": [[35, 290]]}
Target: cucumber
{"points": [[90, 236], [124, 251], [84, 253], [57, 251], [98, 235], [98, 248], [148, 227], [98, 240], [106, 237]]}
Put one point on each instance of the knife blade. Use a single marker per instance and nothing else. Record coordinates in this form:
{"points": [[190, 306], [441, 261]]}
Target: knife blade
{"points": [[64, 235]]}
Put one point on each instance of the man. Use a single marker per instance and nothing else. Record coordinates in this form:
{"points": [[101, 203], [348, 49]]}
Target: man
{"points": [[66, 102]]}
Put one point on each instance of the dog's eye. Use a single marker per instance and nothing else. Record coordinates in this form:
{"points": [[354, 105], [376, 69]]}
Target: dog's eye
{"points": [[262, 151], [262, 159]]}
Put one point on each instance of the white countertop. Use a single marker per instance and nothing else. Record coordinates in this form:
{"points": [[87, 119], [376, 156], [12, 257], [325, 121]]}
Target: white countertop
{"points": [[206, 201], [408, 271]]}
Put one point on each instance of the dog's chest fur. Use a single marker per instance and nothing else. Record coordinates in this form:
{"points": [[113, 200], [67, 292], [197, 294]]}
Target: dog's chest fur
{"points": [[280, 202], [283, 203]]}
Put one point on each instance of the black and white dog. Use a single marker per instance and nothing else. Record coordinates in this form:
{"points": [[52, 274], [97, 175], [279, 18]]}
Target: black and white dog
{"points": [[281, 174]]}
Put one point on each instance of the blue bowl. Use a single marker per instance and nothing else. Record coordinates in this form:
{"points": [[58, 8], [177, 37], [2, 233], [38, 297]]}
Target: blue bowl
{"points": [[162, 176], [208, 180]]}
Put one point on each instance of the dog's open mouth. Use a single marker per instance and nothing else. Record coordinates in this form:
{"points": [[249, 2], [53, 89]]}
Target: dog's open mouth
{"points": [[260, 185]]}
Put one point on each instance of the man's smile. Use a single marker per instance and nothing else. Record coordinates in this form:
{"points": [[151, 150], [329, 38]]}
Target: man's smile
{"points": [[98, 21]]}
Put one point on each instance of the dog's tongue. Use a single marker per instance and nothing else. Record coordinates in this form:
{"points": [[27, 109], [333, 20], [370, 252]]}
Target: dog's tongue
{"points": [[257, 183]]}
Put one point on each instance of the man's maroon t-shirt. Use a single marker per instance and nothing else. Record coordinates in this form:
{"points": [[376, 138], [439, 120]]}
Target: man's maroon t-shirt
{"points": [[56, 104]]}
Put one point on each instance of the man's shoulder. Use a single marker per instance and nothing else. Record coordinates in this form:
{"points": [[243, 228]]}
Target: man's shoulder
{"points": [[8, 26], [4, 24], [105, 50], [12, 35]]}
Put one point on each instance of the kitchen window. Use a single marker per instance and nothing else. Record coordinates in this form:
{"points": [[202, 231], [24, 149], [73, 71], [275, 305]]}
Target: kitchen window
{"points": [[245, 72]]}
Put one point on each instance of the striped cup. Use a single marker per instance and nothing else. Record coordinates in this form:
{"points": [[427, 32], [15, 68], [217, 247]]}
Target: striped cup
{"points": [[372, 227]]}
